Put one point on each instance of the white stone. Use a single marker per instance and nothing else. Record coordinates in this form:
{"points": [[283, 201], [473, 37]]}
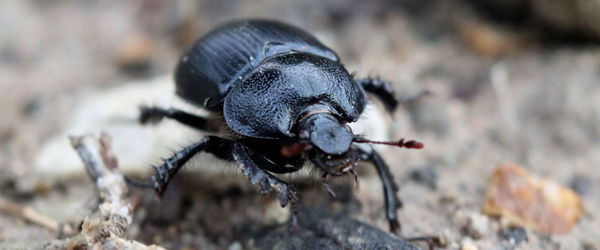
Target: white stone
{"points": [[137, 147]]}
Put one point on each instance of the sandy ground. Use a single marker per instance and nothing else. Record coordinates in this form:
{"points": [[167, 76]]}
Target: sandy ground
{"points": [[498, 96]]}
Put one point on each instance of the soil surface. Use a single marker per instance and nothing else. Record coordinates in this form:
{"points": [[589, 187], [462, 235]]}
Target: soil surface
{"points": [[500, 93]]}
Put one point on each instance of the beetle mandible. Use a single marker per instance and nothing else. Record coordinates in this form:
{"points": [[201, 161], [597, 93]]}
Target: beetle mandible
{"points": [[286, 100]]}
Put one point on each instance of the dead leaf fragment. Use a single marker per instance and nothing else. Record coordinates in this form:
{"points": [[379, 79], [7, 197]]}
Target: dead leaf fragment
{"points": [[540, 204]]}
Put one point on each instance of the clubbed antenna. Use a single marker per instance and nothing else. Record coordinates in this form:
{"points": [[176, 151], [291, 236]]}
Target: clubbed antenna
{"points": [[401, 143]]}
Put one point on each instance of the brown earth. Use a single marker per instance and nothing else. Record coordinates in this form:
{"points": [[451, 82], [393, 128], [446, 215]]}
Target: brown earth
{"points": [[500, 94]]}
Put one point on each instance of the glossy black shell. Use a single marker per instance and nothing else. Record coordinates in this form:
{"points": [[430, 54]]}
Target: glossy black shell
{"points": [[263, 75]]}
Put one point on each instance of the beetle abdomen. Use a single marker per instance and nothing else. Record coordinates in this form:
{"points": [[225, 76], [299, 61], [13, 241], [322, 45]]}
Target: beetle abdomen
{"points": [[218, 60]]}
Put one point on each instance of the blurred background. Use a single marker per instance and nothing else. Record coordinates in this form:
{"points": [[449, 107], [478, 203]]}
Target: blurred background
{"points": [[511, 82]]}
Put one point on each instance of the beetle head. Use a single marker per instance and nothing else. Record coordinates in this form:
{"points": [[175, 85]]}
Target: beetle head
{"points": [[328, 142], [326, 133]]}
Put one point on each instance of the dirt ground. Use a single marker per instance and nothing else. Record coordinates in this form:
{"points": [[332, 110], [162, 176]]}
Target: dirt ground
{"points": [[500, 93]]}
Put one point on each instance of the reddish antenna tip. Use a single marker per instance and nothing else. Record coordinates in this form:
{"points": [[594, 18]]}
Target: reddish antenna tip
{"points": [[413, 144], [409, 144]]}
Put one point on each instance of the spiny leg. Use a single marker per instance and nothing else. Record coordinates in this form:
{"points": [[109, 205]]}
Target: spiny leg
{"points": [[170, 167], [266, 181], [390, 189], [156, 114], [384, 91]]}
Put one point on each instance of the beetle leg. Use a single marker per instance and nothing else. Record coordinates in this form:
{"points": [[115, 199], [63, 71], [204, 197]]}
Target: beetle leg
{"points": [[156, 114], [166, 171], [326, 186], [384, 91], [266, 181], [390, 189], [357, 188]]}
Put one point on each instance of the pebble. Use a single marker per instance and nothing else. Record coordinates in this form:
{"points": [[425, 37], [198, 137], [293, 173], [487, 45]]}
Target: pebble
{"points": [[447, 198], [522, 200], [115, 111], [235, 246], [275, 214], [588, 245], [581, 184], [514, 235], [320, 229], [427, 176], [445, 238], [135, 53], [475, 225], [467, 244]]}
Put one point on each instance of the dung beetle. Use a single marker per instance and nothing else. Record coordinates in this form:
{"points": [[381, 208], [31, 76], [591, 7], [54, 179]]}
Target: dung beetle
{"points": [[285, 99]]}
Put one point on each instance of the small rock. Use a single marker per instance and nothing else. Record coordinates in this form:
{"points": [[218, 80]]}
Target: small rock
{"points": [[447, 198], [522, 200], [427, 176], [475, 225], [134, 54], [116, 110], [588, 246], [444, 237], [514, 235], [581, 184], [275, 214], [33, 106], [235, 246], [322, 230], [467, 244]]}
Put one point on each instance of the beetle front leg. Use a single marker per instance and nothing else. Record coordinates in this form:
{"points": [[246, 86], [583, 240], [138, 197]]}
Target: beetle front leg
{"points": [[390, 189], [166, 171], [384, 91], [266, 181]]}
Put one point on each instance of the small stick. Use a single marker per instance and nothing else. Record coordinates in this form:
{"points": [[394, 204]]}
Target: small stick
{"points": [[102, 167], [32, 216], [109, 230]]}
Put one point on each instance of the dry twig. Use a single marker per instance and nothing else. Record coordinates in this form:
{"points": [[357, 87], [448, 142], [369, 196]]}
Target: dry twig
{"points": [[106, 230], [31, 215]]}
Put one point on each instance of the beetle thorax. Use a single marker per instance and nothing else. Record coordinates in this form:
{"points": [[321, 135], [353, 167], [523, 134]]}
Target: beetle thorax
{"points": [[270, 100]]}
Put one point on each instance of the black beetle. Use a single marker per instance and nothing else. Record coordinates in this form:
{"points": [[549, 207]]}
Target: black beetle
{"points": [[286, 100]]}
